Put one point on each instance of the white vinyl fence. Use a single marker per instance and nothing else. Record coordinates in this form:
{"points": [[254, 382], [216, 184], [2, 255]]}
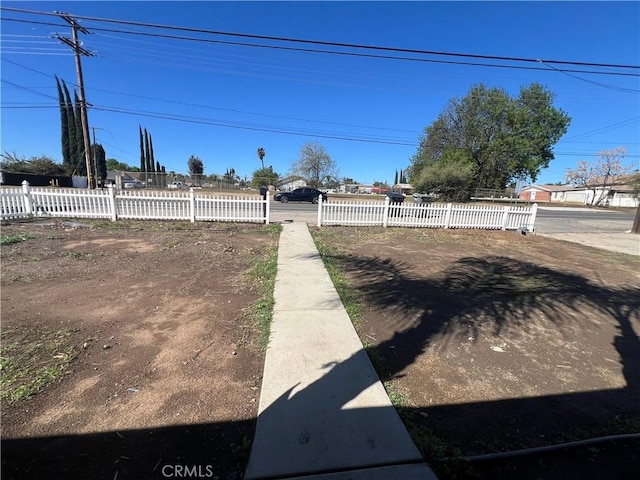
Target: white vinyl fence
{"points": [[434, 215], [26, 202]]}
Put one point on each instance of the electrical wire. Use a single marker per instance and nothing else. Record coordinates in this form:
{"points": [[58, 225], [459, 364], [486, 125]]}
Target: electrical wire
{"points": [[321, 42], [365, 55], [246, 112]]}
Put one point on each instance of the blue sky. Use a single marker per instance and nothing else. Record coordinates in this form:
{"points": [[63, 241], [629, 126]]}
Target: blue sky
{"points": [[233, 99]]}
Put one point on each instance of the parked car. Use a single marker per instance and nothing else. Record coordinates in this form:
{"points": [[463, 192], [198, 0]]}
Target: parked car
{"points": [[177, 185], [395, 197], [303, 194], [422, 198], [135, 184]]}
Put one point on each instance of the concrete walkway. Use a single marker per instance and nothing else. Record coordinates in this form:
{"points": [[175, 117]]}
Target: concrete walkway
{"points": [[323, 412]]}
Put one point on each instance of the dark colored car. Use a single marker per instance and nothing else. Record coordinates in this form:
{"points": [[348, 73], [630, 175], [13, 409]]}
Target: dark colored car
{"points": [[303, 194], [395, 197]]}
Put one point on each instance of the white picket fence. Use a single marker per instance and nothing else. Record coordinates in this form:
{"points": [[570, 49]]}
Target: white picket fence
{"points": [[26, 202], [434, 215]]}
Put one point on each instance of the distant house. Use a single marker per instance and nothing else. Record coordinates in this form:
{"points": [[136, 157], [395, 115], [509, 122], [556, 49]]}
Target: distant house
{"points": [[612, 195], [122, 180], [552, 193], [405, 188], [349, 188], [290, 183], [615, 196]]}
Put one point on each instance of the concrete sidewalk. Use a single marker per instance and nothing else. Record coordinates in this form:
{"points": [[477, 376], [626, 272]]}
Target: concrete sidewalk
{"points": [[323, 412], [619, 242]]}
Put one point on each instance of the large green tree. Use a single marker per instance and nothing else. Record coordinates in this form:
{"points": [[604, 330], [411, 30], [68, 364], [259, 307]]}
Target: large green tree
{"points": [[315, 165], [264, 176], [113, 164], [491, 137]]}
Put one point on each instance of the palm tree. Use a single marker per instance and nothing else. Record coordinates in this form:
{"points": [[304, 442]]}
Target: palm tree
{"points": [[261, 154]]}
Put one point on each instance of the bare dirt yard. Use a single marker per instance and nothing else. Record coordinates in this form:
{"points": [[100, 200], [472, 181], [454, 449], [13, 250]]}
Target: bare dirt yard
{"points": [[130, 349], [493, 341]]}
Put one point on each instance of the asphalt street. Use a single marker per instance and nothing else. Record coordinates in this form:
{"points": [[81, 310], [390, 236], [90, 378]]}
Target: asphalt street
{"points": [[582, 220]]}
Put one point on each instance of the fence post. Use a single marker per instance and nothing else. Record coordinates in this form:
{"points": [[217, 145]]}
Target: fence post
{"points": [[192, 204], [28, 201], [447, 218], [112, 202], [385, 215], [268, 203], [532, 222], [505, 217], [319, 210]]}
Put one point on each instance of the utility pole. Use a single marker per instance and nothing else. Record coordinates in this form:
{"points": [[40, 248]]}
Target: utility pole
{"points": [[79, 50]]}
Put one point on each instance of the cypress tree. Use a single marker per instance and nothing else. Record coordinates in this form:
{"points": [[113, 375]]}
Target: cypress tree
{"points": [[71, 123], [80, 154], [100, 157], [395, 179], [64, 128], [143, 163], [147, 154], [158, 172], [151, 159]]}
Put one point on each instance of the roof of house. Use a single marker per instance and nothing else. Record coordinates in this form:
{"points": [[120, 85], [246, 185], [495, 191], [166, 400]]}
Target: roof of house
{"points": [[289, 179], [569, 188], [551, 188]]}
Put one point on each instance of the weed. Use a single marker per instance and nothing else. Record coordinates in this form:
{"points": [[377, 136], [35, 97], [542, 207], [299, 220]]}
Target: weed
{"points": [[77, 255], [264, 271], [11, 239], [29, 360], [170, 245]]}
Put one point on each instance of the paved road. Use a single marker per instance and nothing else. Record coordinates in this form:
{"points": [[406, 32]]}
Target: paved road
{"points": [[582, 220], [298, 212]]}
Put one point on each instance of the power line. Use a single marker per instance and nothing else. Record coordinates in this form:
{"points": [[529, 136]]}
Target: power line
{"points": [[360, 55], [280, 130], [246, 112], [288, 131], [327, 43], [357, 54], [598, 84]]}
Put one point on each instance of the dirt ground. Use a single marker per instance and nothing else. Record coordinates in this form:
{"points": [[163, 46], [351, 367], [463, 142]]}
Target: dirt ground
{"points": [[497, 341], [167, 370]]}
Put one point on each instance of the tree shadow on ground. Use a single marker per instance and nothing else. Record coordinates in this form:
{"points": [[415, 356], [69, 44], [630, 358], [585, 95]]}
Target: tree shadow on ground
{"points": [[494, 294], [500, 297], [212, 450]]}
